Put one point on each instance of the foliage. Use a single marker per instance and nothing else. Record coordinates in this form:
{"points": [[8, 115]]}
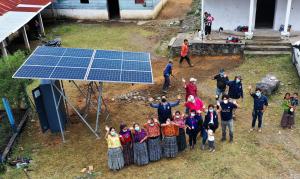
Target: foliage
{"points": [[13, 89]]}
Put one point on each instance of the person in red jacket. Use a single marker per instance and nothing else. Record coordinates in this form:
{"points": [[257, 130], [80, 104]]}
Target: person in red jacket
{"points": [[194, 103], [184, 53], [190, 88]]}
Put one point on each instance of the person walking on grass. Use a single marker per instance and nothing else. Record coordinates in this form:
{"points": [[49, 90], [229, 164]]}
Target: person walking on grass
{"points": [[222, 79], [152, 128], [260, 105], [115, 154], [226, 109], [164, 108], [167, 74], [184, 53]]}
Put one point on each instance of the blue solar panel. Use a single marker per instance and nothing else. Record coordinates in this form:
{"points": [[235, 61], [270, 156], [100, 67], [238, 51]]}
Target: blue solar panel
{"points": [[136, 77], [33, 72], [139, 56], [136, 65], [87, 65], [104, 75], [108, 54], [74, 62], [69, 73], [79, 53], [55, 51], [42, 60], [107, 64]]}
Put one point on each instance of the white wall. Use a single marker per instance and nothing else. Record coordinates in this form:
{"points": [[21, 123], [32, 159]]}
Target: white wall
{"points": [[228, 13], [295, 15]]}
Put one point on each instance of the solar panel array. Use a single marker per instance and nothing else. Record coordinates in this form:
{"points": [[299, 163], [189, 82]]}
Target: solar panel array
{"points": [[56, 63]]}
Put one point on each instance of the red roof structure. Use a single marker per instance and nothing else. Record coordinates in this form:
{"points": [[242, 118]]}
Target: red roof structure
{"points": [[21, 5]]}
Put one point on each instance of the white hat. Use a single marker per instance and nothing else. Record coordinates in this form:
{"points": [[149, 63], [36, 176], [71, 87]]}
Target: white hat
{"points": [[191, 98], [193, 79]]}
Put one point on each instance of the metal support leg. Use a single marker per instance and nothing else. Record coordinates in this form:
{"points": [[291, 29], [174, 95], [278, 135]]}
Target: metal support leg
{"points": [[77, 112], [99, 105], [58, 116], [65, 102]]}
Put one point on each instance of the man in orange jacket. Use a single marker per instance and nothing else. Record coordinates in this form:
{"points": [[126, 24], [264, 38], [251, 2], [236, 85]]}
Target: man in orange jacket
{"points": [[184, 53]]}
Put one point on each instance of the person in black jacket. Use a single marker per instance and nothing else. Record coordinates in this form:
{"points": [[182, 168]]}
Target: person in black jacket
{"points": [[235, 91], [221, 83], [211, 118]]}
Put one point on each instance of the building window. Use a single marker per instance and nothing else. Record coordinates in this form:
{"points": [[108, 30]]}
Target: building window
{"points": [[139, 1], [84, 1]]}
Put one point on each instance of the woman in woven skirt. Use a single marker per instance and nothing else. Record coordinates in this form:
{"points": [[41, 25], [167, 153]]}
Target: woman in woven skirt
{"points": [[181, 138], [170, 131], [286, 116], [140, 151], [115, 154], [126, 141], [153, 136]]}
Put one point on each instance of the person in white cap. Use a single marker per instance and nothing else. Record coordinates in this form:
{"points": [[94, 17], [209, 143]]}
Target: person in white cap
{"points": [[190, 88]]}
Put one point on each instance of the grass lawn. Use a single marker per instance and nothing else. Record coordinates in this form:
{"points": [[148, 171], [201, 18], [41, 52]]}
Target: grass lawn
{"points": [[272, 154]]}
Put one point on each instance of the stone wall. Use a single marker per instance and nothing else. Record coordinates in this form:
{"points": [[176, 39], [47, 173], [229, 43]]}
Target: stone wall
{"points": [[212, 49]]}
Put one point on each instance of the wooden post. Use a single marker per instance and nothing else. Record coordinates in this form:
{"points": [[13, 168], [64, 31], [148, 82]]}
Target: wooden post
{"points": [[41, 24], [3, 49], [25, 38]]}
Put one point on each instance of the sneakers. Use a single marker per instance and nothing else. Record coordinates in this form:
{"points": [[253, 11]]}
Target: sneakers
{"points": [[191, 65], [251, 130], [259, 130], [202, 147]]}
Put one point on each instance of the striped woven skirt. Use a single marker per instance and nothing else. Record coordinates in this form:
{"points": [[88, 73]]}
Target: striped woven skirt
{"points": [[181, 140], [154, 149], [128, 153], [115, 158], [140, 153], [170, 147], [287, 120]]}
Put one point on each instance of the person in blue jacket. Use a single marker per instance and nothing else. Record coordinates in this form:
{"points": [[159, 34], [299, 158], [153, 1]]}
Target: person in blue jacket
{"points": [[193, 125], [167, 74], [235, 91], [164, 108], [211, 118]]}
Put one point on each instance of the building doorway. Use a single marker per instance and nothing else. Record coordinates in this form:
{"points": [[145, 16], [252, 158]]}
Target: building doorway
{"points": [[265, 12], [113, 9]]}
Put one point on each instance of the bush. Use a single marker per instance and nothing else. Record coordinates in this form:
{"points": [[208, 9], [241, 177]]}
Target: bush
{"points": [[13, 89]]}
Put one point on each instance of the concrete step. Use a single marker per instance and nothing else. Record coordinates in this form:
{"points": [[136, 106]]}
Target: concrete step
{"points": [[267, 38], [273, 43], [267, 48], [247, 52]]}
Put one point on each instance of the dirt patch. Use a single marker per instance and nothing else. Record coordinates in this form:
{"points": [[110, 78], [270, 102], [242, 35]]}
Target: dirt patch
{"points": [[175, 9]]}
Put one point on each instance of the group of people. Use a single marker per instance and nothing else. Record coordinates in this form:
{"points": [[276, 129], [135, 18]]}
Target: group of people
{"points": [[289, 105], [165, 135]]}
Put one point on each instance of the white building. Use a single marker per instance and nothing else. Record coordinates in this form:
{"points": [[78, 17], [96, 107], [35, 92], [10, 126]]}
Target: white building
{"points": [[256, 14]]}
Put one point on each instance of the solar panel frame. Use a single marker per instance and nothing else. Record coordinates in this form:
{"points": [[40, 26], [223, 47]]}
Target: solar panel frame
{"points": [[123, 70]]}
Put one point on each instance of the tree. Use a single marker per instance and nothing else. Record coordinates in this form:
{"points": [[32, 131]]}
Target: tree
{"points": [[13, 89]]}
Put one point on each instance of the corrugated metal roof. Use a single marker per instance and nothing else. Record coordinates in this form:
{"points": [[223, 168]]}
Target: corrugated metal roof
{"points": [[14, 14]]}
